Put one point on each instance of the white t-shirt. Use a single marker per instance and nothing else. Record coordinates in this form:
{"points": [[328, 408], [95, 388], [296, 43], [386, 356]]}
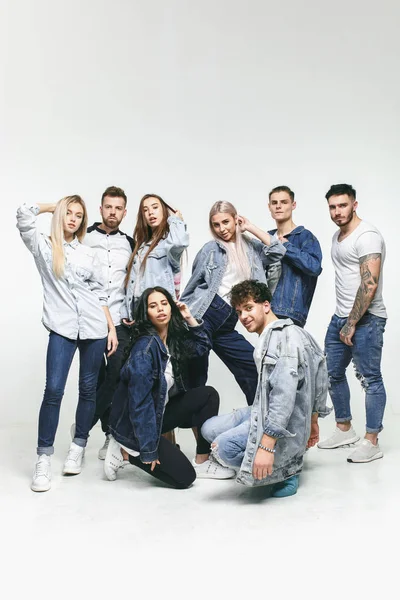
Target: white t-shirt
{"points": [[365, 239], [231, 277], [257, 354]]}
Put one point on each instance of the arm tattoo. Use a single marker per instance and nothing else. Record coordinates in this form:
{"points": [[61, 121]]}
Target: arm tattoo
{"points": [[366, 291]]}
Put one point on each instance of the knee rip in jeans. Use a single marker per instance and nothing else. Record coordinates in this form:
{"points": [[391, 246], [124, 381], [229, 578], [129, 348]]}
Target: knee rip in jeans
{"points": [[361, 378]]}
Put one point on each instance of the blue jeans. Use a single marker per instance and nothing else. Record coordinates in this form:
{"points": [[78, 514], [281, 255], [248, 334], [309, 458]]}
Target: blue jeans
{"points": [[366, 354], [60, 353], [229, 433], [233, 349]]}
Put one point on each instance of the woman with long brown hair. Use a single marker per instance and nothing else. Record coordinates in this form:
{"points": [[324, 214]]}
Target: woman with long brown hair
{"points": [[76, 314], [160, 238]]}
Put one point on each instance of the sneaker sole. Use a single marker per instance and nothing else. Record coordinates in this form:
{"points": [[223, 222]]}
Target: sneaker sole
{"points": [[375, 457], [102, 456], [71, 471], [346, 443], [41, 488]]}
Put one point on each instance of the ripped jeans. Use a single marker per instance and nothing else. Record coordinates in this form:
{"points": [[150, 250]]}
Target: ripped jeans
{"points": [[366, 354]]}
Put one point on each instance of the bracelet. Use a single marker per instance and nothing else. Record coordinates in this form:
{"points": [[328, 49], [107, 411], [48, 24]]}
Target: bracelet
{"points": [[272, 450]]}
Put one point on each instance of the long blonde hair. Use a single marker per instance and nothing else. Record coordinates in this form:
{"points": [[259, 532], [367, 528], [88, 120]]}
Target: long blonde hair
{"points": [[237, 253], [57, 231]]}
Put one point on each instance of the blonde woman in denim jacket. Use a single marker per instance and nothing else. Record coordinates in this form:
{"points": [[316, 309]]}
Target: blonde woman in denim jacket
{"points": [[230, 258]]}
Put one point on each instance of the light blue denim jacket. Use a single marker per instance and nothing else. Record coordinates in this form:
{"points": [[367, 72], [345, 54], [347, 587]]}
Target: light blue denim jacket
{"points": [[292, 384], [209, 268], [162, 264]]}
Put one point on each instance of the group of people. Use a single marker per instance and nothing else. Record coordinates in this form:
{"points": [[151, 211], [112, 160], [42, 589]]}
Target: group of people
{"points": [[144, 343]]}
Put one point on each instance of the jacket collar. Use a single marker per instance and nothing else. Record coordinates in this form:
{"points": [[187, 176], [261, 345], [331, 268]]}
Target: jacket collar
{"points": [[75, 242], [279, 324], [296, 230]]}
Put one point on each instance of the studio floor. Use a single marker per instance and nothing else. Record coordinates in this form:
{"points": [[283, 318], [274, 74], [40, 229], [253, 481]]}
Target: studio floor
{"points": [[91, 536]]}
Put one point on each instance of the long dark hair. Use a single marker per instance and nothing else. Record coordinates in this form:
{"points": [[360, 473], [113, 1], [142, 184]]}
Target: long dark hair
{"points": [[177, 329], [143, 233]]}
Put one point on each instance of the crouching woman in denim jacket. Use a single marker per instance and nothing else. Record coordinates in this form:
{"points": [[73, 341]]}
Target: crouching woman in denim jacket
{"points": [[152, 396], [232, 257]]}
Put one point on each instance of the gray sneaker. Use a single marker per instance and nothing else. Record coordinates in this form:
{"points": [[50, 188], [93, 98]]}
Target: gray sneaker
{"points": [[339, 438], [103, 450], [365, 452]]}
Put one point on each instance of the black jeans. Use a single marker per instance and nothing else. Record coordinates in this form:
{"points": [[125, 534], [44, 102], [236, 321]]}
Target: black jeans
{"points": [[109, 378], [187, 410]]}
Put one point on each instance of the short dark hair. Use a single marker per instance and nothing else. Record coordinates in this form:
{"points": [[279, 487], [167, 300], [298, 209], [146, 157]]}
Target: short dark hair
{"points": [[282, 188], [250, 289], [339, 189], [114, 192]]}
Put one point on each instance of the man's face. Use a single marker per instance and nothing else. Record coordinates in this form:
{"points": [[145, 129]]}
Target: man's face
{"points": [[281, 206], [341, 209], [112, 211], [252, 315]]}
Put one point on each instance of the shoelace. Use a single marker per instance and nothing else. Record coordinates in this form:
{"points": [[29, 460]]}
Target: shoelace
{"points": [[41, 468], [73, 454]]}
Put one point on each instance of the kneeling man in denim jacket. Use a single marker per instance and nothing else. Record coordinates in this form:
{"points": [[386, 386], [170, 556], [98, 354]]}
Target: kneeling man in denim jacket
{"points": [[266, 442]]}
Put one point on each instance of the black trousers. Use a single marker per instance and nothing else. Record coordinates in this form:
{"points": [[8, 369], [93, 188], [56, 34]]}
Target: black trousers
{"points": [[187, 410], [109, 377]]}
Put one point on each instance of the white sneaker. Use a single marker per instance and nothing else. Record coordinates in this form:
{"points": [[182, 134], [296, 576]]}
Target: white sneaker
{"points": [[41, 480], [211, 469], [73, 462], [113, 460], [339, 438], [103, 450], [365, 452]]}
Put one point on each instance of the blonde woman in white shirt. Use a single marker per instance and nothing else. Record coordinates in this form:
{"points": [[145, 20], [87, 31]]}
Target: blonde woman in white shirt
{"points": [[76, 314]]}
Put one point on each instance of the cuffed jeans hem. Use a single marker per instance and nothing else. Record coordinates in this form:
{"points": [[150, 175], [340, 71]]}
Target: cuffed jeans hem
{"points": [[47, 450], [80, 442], [343, 420], [369, 430]]}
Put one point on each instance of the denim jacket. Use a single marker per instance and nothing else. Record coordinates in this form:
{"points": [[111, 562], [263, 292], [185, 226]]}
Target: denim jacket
{"points": [[162, 264], [139, 401], [301, 266], [209, 268], [292, 384]]}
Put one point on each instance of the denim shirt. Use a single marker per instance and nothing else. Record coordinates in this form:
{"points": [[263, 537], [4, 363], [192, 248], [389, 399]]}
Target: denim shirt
{"points": [[209, 268], [292, 384], [139, 401], [162, 264], [301, 266]]}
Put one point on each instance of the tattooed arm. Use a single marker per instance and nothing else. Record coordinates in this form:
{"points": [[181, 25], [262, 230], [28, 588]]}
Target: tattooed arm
{"points": [[370, 267]]}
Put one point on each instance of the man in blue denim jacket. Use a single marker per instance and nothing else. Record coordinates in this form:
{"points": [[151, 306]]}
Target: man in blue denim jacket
{"points": [[301, 264], [267, 441]]}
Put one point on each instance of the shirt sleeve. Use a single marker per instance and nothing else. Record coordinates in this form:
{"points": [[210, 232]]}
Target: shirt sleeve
{"points": [[269, 254], [307, 258], [142, 412], [26, 223], [369, 242], [176, 241]]}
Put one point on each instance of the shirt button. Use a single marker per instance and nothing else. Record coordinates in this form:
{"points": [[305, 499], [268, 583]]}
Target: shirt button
{"points": [[109, 266], [110, 281], [109, 250]]}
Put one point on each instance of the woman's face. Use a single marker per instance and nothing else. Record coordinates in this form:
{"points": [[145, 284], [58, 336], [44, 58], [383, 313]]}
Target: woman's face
{"points": [[153, 212], [74, 218], [224, 226], [158, 310]]}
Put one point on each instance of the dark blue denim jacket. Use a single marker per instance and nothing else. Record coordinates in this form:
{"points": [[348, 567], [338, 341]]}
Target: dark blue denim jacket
{"points": [[139, 401], [301, 266]]}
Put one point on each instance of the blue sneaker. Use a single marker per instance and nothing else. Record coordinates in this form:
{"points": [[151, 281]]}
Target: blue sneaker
{"points": [[286, 488]]}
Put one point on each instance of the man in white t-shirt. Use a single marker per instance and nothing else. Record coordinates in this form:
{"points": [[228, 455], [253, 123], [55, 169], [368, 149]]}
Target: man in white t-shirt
{"points": [[356, 329]]}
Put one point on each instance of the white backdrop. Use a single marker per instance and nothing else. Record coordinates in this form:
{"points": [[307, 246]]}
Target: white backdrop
{"points": [[197, 102]]}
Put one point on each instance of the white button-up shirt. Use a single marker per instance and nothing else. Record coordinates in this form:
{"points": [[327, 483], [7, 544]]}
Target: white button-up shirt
{"points": [[113, 250], [72, 304]]}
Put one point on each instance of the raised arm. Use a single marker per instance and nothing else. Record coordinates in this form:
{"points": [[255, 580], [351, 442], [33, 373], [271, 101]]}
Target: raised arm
{"points": [[26, 223], [370, 269], [177, 239]]}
